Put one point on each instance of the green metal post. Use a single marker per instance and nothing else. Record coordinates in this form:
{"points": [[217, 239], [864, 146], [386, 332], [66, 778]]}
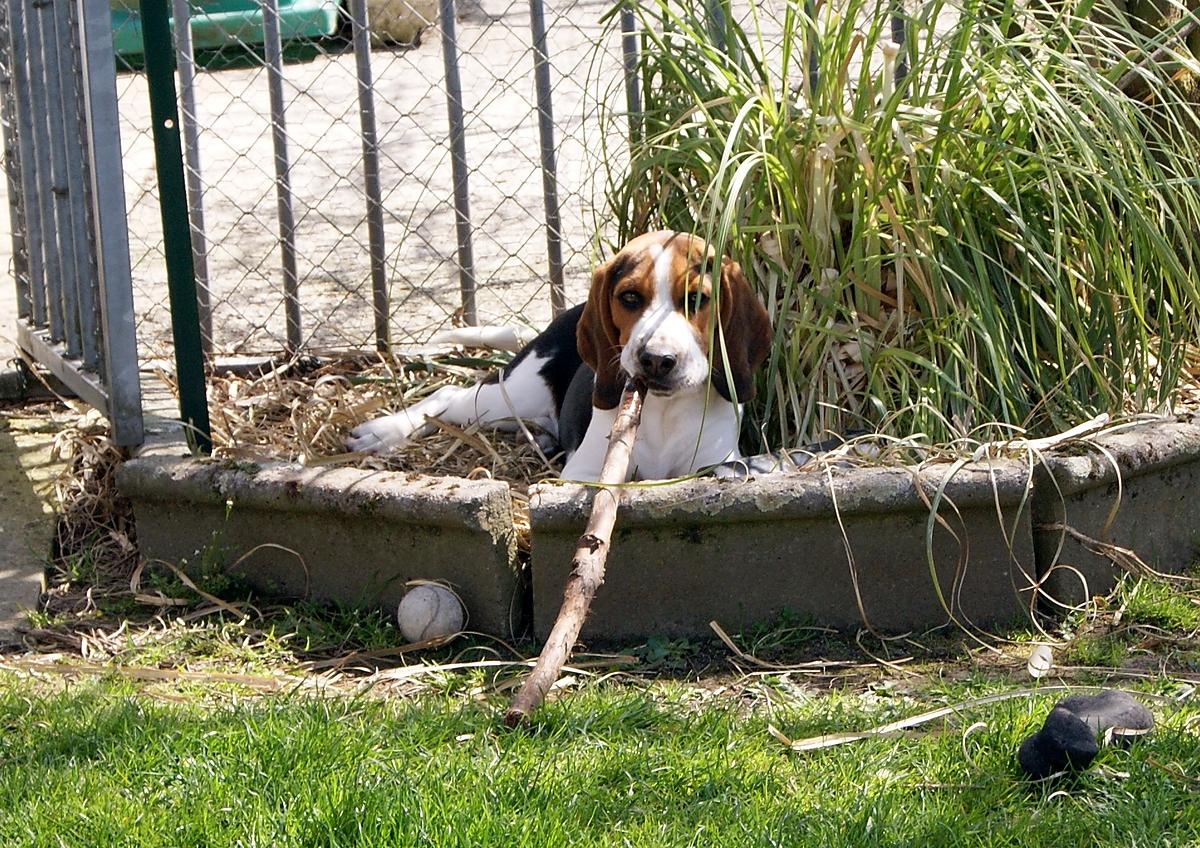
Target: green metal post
{"points": [[177, 237]]}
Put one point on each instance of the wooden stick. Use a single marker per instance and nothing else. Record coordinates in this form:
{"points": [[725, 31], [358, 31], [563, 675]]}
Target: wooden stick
{"points": [[1127, 83], [587, 566]]}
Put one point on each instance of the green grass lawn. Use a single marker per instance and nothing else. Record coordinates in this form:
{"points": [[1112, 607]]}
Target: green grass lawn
{"points": [[103, 762], [128, 725]]}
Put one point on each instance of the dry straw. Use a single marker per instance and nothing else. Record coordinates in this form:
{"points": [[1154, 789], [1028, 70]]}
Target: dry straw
{"points": [[301, 412]]}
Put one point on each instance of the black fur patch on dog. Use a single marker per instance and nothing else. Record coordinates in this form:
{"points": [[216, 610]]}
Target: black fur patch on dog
{"points": [[557, 345]]}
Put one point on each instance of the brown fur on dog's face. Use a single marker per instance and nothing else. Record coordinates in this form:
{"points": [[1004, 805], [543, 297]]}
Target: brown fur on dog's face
{"points": [[656, 298]]}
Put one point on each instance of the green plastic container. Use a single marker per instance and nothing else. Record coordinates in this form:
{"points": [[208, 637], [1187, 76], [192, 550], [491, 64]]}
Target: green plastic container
{"points": [[225, 24]]}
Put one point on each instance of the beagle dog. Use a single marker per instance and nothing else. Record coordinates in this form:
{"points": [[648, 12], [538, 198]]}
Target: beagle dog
{"points": [[665, 310]]}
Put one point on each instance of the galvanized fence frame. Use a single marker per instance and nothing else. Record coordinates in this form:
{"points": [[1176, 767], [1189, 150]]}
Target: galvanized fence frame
{"points": [[70, 245]]}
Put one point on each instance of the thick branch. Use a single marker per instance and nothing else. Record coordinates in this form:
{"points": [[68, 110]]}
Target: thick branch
{"points": [[587, 566], [1133, 82]]}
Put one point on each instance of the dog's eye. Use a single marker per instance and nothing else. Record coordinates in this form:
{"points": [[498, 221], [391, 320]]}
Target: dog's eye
{"points": [[630, 299], [694, 301]]}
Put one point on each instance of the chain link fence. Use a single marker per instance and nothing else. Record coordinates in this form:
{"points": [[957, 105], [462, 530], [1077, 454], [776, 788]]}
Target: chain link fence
{"points": [[281, 182]]}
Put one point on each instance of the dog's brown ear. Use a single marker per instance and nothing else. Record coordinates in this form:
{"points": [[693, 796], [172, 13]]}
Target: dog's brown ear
{"points": [[745, 330], [598, 341]]}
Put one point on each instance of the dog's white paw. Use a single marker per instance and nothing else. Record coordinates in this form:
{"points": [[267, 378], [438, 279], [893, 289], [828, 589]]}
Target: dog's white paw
{"points": [[382, 434]]}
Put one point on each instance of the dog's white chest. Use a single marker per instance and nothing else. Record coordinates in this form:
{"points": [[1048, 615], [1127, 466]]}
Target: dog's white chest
{"points": [[680, 434]]}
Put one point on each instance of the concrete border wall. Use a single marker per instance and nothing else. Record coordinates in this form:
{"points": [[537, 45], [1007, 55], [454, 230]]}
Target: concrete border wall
{"points": [[362, 534], [1147, 478], [742, 551], [738, 551]]}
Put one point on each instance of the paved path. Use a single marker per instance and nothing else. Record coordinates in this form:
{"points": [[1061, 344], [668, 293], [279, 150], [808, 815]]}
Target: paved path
{"points": [[27, 473]]}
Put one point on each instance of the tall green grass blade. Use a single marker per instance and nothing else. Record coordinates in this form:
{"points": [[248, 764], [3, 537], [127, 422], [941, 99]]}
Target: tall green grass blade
{"points": [[1007, 237]]}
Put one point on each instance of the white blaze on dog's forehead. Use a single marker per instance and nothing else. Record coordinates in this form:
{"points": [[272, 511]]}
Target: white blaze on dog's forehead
{"points": [[662, 257]]}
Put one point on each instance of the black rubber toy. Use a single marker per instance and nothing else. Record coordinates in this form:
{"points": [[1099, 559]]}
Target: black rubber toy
{"points": [[1068, 739]]}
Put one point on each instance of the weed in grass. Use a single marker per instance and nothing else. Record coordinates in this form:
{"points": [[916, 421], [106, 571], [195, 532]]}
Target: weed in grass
{"points": [[314, 627], [217, 643], [1105, 650], [1143, 623], [788, 634], [667, 655], [46, 620], [1161, 604]]}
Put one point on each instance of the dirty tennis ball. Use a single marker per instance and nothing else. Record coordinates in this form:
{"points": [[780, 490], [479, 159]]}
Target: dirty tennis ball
{"points": [[428, 611]]}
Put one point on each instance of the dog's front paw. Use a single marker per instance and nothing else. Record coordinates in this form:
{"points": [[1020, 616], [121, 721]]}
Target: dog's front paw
{"points": [[381, 434]]}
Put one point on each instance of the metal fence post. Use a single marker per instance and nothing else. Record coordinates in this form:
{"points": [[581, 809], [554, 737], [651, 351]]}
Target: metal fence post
{"points": [[111, 233], [67, 302], [82, 313], [545, 108], [629, 58], [458, 157], [899, 35], [273, 48], [30, 201], [177, 238], [814, 62], [719, 13], [14, 173], [182, 13], [715, 13], [51, 266], [370, 157]]}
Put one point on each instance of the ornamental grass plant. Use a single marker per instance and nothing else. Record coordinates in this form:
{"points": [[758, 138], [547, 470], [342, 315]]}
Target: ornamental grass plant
{"points": [[988, 229]]}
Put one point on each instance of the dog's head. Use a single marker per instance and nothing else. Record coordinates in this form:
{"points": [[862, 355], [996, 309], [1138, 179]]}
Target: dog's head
{"points": [[655, 309]]}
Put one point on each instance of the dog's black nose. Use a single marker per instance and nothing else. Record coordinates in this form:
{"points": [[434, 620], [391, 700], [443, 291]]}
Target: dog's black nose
{"points": [[655, 366]]}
